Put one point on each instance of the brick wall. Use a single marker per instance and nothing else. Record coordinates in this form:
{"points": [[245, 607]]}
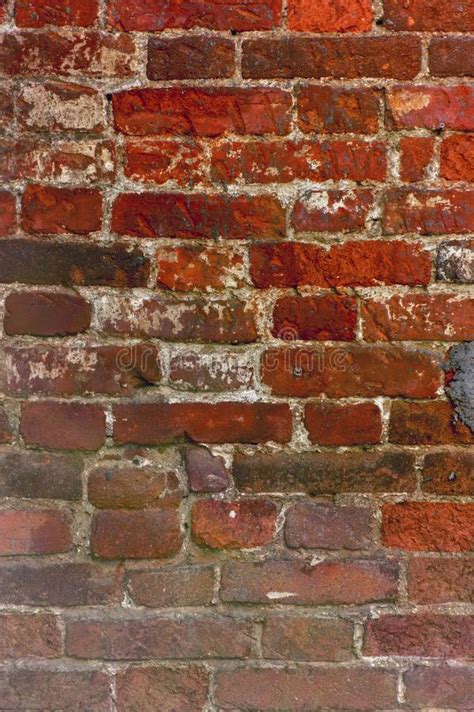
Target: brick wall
{"points": [[235, 256]]}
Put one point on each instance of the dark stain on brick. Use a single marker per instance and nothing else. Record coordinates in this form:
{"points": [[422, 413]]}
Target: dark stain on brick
{"points": [[461, 385]]}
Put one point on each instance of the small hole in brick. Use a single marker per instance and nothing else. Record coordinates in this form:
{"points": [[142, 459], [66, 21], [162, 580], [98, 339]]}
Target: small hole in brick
{"points": [[452, 477], [379, 21]]}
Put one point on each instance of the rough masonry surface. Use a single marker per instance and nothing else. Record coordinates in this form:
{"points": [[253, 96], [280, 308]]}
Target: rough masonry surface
{"points": [[237, 366]]}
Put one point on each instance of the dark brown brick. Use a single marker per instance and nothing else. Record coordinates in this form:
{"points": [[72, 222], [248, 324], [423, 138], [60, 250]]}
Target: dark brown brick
{"points": [[61, 584], [151, 688], [39, 262], [46, 313], [326, 526], [306, 638], [29, 636], [193, 57], [173, 587], [300, 583], [74, 690], [351, 57], [63, 426], [325, 473], [32, 475], [149, 637], [297, 690]]}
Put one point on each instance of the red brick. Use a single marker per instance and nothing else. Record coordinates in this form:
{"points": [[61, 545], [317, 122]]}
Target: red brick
{"points": [[132, 488], [222, 321], [46, 313], [193, 57], [39, 13], [173, 587], [64, 426], [451, 56], [419, 317], [429, 423], [233, 525], [446, 687], [212, 369], [432, 107], [336, 424], [359, 370], [33, 532], [60, 211], [186, 268], [316, 473], [33, 475], [440, 636], [441, 580], [457, 158], [60, 107], [29, 636], [307, 638], [202, 112], [304, 688], [62, 584], [428, 212], [4, 11], [178, 215], [359, 262], [428, 526], [145, 638], [8, 221], [74, 690], [73, 54], [324, 317], [327, 109], [449, 472], [81, 370], [241, 16], [158, 161], [336, 57], [40, 262], [153, 534], [81, 161], [206, 472], [343, 16], [455, 261], [332, 211], [416, 155], [286, 161], [327, 526], [299, 583], [152, 424], [150, 688], [429, 15]]}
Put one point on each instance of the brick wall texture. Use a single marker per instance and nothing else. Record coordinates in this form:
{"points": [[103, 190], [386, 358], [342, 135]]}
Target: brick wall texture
{"points": [[236, 250]]}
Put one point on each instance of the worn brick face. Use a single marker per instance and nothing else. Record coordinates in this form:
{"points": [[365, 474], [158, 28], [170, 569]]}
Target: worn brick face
{"points": [[240, 16], [201, 112], [61, 107], [39, 13], [236, 335]]}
